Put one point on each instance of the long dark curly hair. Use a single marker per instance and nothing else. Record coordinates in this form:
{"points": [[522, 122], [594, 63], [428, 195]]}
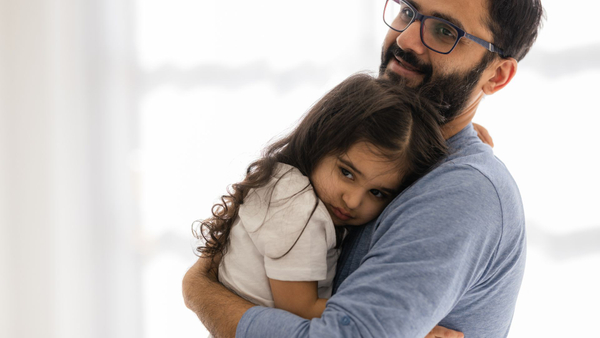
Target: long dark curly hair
{"points": [[397, 120]]}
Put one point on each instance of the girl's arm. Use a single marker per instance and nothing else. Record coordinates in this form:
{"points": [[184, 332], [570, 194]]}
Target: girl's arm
{"points": [[299, 298]]}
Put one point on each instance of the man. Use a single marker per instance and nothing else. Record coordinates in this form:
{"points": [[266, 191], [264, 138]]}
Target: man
{"points": [[450, 249]]}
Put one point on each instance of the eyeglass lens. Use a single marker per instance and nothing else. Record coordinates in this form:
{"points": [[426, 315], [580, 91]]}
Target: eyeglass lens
{"points": [[436, 34]]}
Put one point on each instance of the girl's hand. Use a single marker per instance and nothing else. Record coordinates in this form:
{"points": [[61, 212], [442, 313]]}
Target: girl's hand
{"points": [[442, 332], [483, 134]]}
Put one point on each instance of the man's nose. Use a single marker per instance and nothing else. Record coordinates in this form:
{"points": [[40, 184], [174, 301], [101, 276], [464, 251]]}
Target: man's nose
{"points": [[410, 39]]}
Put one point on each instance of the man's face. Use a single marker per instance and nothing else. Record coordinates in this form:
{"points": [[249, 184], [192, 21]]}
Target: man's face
{"points": [[455, 75]]}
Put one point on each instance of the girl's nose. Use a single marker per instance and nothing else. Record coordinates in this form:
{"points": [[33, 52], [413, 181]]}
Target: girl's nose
{"points": [[352, 198], [410, 39]]}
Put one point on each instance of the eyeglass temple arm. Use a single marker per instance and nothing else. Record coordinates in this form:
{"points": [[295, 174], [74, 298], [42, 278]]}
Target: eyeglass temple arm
{"points": [[485, 44]]}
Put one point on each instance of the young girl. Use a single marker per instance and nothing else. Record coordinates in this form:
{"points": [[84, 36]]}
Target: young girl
{"points": [[279, 230]]}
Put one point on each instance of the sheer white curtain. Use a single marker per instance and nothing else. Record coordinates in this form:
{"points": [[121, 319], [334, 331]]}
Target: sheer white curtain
{"points": [[69, 264]]}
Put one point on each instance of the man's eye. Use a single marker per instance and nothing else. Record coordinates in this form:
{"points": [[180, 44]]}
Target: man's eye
{"points": [[443, 32], [447, 32], [346, 173], [406, 14], [377, 193]]}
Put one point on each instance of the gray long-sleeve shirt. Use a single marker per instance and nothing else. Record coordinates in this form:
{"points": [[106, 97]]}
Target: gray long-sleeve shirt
{"points": [[450, 250]]}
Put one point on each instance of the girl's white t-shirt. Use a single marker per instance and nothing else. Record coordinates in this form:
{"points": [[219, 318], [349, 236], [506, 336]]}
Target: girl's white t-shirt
{"points": [[277, 235]]}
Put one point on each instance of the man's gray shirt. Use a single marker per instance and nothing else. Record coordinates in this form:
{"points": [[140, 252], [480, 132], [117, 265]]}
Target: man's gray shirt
{"points": [[449, 250]]}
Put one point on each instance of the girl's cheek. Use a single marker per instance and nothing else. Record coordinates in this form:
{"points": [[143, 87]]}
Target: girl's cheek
{"points": [[333, 184]]}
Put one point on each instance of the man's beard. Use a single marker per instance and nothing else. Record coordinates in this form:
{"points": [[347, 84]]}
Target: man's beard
{"points": [[450, 92]]}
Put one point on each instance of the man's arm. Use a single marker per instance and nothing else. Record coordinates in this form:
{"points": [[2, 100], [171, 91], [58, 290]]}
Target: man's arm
{"points": [[424, 255], [218, 309]]}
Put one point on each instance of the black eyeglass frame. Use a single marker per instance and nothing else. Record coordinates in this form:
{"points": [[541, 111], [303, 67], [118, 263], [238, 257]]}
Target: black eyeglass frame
{"points": [[461, 33]]}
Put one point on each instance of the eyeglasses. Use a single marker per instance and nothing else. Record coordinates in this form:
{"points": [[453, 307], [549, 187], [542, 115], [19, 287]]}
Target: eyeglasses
{"points": [[437, 34]]}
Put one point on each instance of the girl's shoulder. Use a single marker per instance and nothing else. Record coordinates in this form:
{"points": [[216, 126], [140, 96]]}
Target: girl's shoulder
{"points": [[276, 214], [286, 182], [287, 192]]}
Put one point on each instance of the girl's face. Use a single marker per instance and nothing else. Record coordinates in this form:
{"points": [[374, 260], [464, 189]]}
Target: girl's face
{"points": [[356, 186]]}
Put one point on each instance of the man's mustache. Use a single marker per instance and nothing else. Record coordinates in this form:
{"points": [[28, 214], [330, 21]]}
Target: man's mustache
{"points": [[394, 51]]}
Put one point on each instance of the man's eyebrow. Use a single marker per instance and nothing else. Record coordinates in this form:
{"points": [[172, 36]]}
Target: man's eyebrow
{"points": [[449, 19], [414, 4], [446, 17], [348, 163]]}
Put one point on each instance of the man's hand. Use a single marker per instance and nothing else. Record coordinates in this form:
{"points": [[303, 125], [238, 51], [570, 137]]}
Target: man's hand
{"points": [[218, 309], [442, 332], [483, 135]]}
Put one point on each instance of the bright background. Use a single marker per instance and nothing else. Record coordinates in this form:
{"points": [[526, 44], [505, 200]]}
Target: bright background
{"points": [[122, 121]]}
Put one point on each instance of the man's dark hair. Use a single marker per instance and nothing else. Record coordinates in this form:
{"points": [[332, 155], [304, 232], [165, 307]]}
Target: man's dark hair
{"points": [[514, 25]]}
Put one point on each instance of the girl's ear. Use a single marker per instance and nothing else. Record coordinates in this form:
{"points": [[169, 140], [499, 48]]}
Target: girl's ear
{"points": [[504, 70]]}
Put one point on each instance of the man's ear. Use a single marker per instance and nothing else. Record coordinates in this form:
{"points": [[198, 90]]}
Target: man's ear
{"points": [[503, 71]]}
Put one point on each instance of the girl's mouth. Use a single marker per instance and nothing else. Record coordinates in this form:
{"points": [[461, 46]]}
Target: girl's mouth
{"points": [[339, 213]]}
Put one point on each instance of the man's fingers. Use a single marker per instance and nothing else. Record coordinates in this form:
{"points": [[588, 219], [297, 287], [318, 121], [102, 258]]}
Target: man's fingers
{"points": [[442, 332], [483, 134]]}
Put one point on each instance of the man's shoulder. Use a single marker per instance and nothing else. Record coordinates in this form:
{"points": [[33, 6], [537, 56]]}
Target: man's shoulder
{"points": [[466, 180], [470, 172], [470, 193]]}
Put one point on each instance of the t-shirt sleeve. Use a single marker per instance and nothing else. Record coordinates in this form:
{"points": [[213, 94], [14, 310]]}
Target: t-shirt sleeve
{"points": [[290, 227]]}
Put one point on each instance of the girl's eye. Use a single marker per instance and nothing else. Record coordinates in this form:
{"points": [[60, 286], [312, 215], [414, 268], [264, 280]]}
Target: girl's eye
{"points": [[377, 193], [346, 173]]}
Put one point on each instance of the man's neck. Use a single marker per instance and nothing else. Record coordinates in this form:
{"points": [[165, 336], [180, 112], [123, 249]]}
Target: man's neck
{"points": [[463, 119]]}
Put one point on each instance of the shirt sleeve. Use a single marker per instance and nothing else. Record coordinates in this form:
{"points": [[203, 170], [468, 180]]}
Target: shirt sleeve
{"points": [[426, 251], [290, 227]]}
